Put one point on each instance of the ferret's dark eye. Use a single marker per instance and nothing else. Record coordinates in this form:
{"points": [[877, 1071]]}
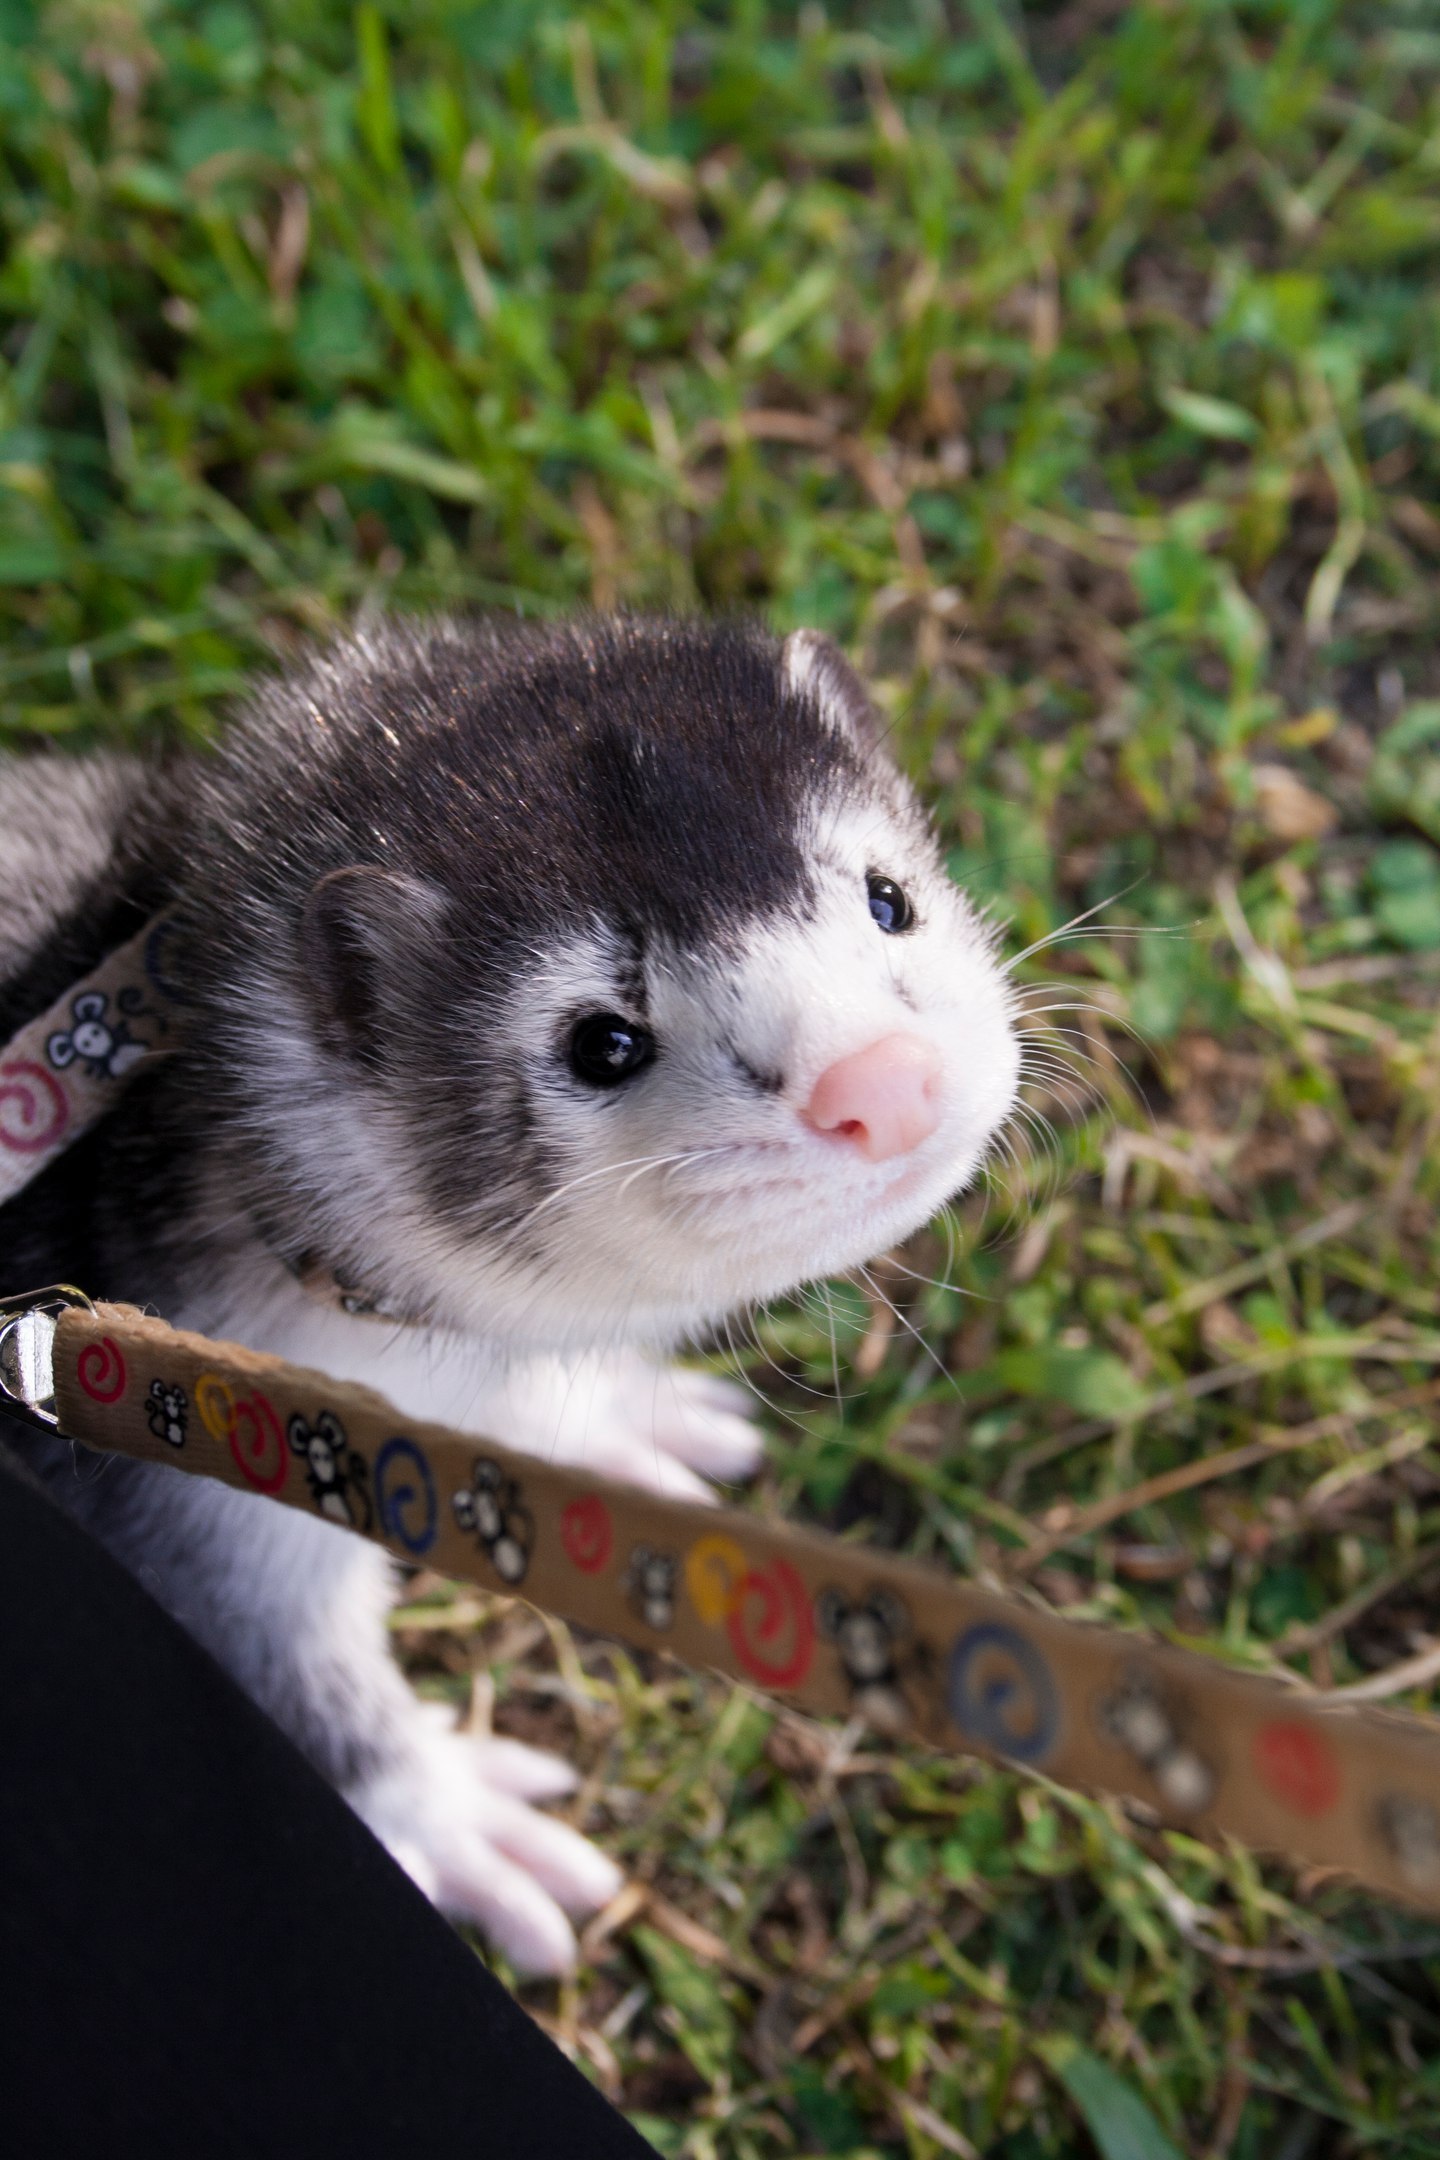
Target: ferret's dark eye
{"points": [[605, 1049], [888, 905]]}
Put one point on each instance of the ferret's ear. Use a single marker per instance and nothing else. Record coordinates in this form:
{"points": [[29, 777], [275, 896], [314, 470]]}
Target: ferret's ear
{"points": [[813, 667], [363, 936]]}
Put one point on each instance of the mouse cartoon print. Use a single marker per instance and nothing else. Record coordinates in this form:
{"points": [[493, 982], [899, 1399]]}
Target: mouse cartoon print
{"points": [[1152, 1725], [650, 1583], [167, 1412], [102, 1044], [493, 1508], [336, 1475], [868, 1632]]}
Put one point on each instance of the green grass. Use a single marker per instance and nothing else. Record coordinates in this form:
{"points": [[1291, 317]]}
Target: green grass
{"points": [[1079, 367]]}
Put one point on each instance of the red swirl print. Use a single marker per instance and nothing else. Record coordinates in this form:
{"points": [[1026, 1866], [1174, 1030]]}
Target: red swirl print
{"points": [[772, 1630], [34, 1108], [250, 1428], [587, 1534], [257, 1443], [100, 1370], [1298, 1765]]}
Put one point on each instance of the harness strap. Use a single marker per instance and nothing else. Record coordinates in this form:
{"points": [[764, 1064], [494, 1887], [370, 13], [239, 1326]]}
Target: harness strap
{"points": [[63, 1071], [829, 1626]]}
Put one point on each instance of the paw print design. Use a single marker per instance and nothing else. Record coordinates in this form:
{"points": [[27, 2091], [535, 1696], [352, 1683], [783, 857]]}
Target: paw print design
{"points": [[1146, 1728], [868, 1633], [492, 1508], [650, 1581], [102, 1044], [167, 1412], [335, 1474]]}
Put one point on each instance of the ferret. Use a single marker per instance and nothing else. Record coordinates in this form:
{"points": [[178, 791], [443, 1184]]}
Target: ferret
{"points": [[559, 989]]}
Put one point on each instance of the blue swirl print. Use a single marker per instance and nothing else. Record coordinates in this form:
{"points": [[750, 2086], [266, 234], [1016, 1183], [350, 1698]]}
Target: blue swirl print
{"points": [[1000, 1692], [400, 1498]]}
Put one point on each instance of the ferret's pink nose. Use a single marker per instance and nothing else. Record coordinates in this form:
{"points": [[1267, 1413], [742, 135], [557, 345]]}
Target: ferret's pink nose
{"points": [[885, 1098]]}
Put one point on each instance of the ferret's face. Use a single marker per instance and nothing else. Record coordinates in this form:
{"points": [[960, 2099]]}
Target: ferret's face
{"points": [[710, 1020], [724, 1124]]}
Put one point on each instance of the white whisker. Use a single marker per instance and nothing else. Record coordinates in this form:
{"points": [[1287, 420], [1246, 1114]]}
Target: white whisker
{"points": [[936, 1360], [1053, 937], [637, 1163]]}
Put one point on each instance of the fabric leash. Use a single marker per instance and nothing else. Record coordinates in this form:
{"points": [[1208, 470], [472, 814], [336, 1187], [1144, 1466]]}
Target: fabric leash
{"points": [[829, 1626]]}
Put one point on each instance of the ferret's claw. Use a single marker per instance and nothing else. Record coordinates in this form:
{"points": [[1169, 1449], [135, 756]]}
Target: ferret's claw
{"points": [[705, 1423], [666, 1428], [451, 1813]]}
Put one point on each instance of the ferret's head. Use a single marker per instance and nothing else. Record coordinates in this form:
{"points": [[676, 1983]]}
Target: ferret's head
{"points": [[585, 983]]}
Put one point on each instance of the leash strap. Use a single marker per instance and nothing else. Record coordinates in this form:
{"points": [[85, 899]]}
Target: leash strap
{"points": [[62, 1072], [829, 1626]]}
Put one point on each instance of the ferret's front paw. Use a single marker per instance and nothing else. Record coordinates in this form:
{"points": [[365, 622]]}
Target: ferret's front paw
{"points": [[458, 1815], [624, 1417]]}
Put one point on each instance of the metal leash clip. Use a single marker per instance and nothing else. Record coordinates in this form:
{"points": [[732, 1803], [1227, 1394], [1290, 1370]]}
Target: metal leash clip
{"points": [[27, 1350]]}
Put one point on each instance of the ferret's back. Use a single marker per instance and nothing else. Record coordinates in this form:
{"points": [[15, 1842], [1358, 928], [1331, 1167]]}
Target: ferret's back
{"points": [[60, 823]]}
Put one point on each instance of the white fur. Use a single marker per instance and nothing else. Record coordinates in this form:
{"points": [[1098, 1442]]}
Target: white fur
{"points": [[802, 661]]}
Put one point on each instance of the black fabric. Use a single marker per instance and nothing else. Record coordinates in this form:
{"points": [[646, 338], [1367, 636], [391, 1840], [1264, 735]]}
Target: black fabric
{"points": [[202, 1951]]}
